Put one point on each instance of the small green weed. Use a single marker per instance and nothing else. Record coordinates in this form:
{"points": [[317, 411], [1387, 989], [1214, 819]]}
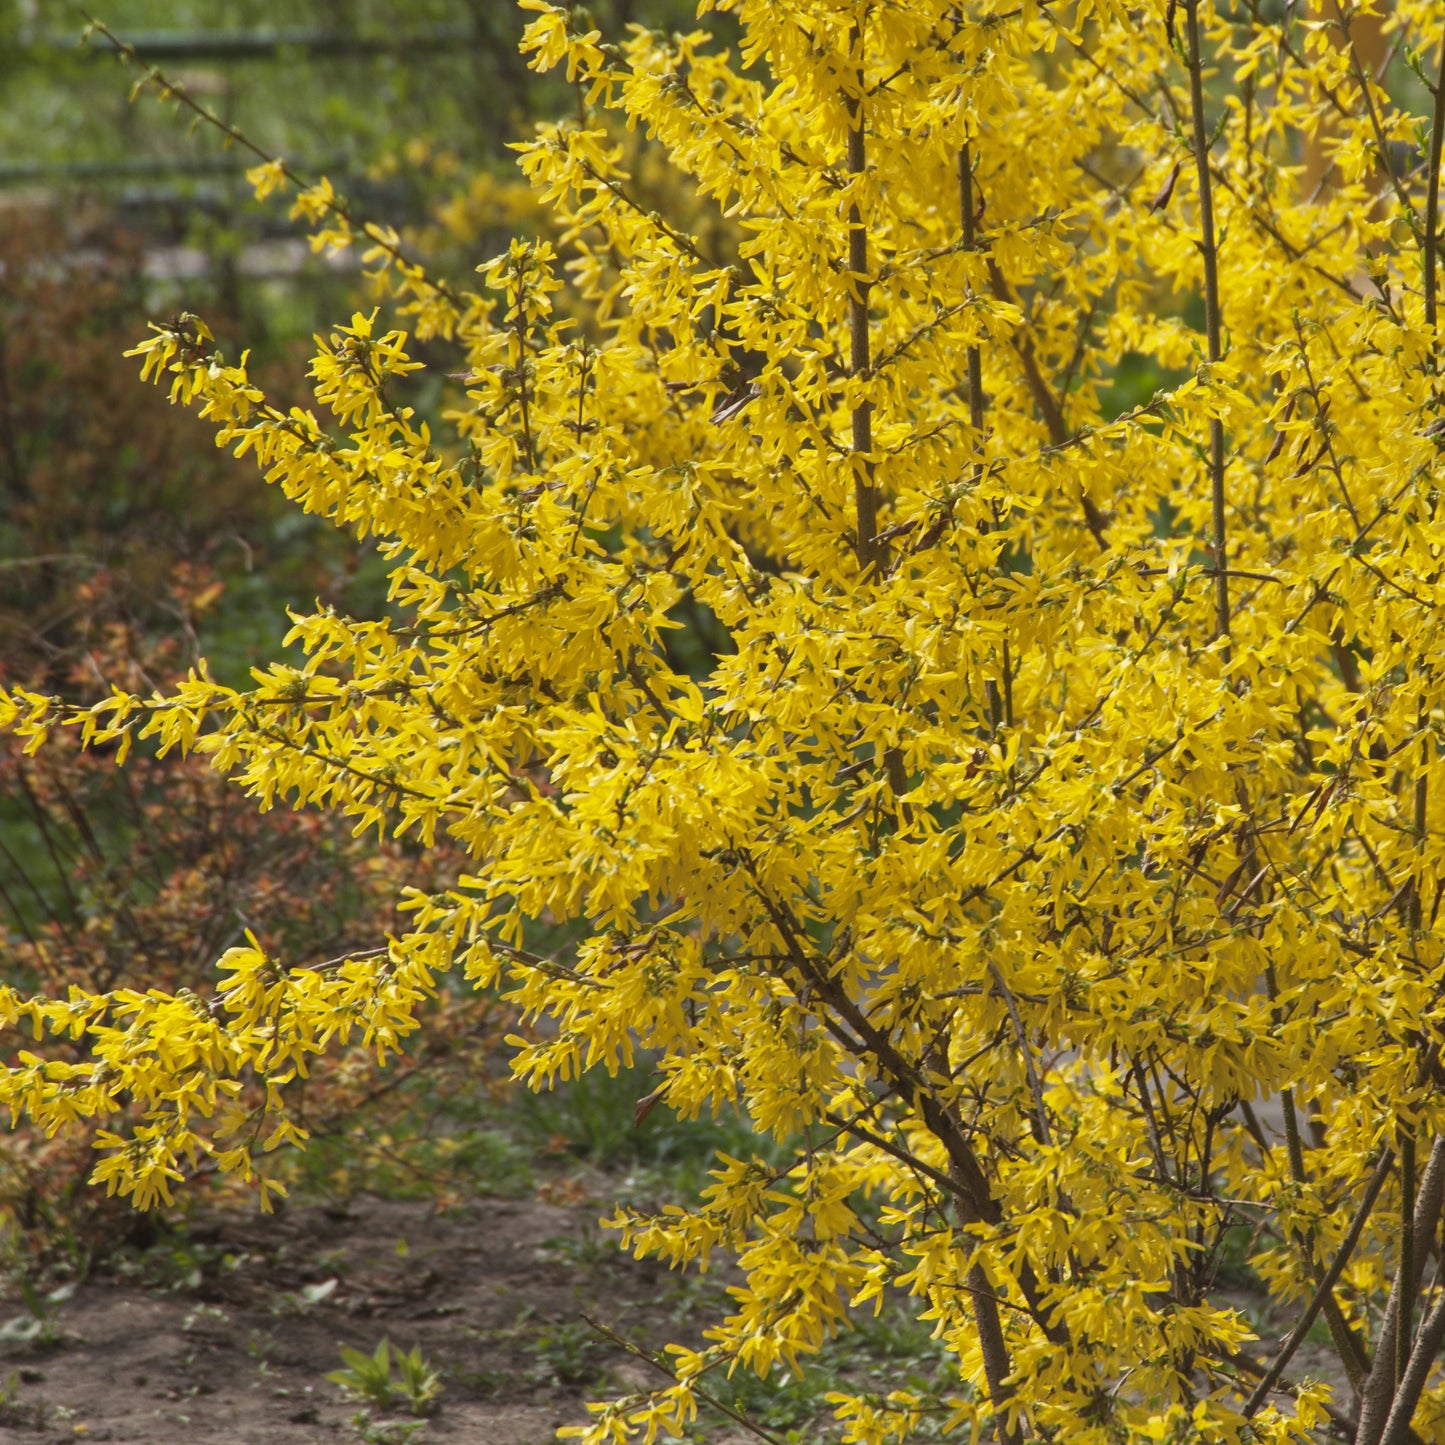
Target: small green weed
{"points": [[567, 1354], [305, 1299], [383, 1432], [585, 1252], [259, 1344], [174, 1263], [38, 1328], [483, 1382], [10, 1410], [204, 1317], [369, 1378], [420, 1383], [783, 1402]]}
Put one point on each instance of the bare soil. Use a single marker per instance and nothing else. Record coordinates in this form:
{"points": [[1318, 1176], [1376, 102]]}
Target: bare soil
{"points": [[224, 1333], [228, 1337]]}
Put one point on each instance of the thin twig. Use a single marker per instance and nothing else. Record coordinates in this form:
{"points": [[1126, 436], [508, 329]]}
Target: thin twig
{"points": [[1363, 79], [334, 205], [1041, 1116], [973, 361], [877, 1141], [1432, 205], [973, 371], [865, 494], [1210, 252], [647, 1357]]}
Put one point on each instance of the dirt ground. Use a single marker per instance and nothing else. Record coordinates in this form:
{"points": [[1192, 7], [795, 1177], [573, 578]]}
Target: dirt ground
{"points": [[228, 1337], [223, 1334]]}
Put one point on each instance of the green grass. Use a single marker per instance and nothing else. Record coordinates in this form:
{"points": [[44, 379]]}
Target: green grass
{"points": [[594, 1119]]}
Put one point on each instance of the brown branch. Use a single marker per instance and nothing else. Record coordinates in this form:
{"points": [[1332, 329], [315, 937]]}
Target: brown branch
{"points": [[865, 494], [1378, 1395], [1041, 1117], [1050, 410], [1000, 710], [1243, 1360], [997, 1366], [1409, 1368], [973, 361], [1406, 1269], [1432, 204], [1325, 1287], [1209, 250], [1422, 1362]]}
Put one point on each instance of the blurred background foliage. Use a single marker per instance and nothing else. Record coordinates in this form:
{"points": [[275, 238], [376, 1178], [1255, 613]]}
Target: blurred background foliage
{"points": [[130, 547], [113, 213]]}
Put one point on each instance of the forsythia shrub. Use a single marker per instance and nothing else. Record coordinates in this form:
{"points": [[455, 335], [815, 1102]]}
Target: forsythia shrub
{"points": [[1067, 780]]}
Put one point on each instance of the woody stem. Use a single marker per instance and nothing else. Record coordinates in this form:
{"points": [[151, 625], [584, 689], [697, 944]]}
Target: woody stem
{"points": [[1209, 250], [865, 494]]}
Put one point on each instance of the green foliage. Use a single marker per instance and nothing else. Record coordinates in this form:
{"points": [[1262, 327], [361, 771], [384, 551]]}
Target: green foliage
{"points": [[384, 1432], [600, 1117], [411, 1159], [38, 1327], [567, 1352], [389, 1378]]}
